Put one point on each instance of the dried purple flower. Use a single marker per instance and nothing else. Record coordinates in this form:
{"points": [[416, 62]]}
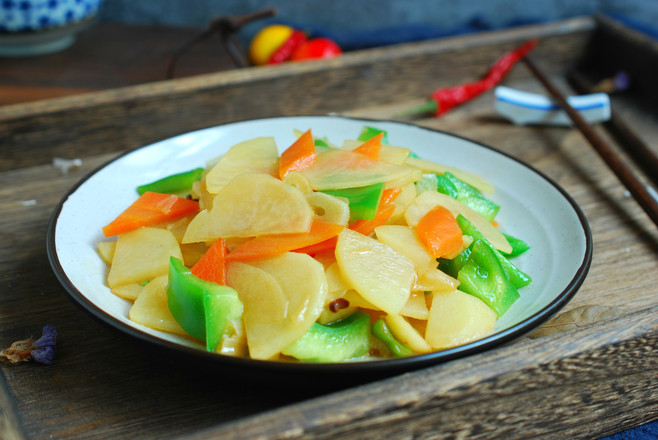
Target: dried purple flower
{"points": [[43, 349], [622, 80]]}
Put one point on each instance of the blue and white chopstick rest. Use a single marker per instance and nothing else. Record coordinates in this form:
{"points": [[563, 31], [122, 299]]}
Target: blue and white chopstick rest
{"points": [[525, 108]]}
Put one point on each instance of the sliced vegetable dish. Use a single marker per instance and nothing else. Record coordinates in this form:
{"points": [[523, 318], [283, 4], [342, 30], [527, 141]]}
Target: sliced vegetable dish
{"points": [[321, 253]]}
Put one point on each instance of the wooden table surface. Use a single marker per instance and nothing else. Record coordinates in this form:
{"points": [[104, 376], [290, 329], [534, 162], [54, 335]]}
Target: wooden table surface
{"points": [[585, 382], [106, 56]]}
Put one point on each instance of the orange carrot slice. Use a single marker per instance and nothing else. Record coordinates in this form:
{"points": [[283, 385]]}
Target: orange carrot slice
{"points": [[323, 246], [270, 245], [439, 232], [389, 195], [371, 147], [150, 209], [299, 155], [384, 212], [367, 227], [212, 265]]}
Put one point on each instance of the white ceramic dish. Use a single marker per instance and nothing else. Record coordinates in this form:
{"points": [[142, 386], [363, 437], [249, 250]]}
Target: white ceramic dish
{"points": [[533, 208]]}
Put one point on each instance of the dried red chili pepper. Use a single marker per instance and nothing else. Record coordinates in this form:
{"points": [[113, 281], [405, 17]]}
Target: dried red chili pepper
{"points": [[444, 99]]}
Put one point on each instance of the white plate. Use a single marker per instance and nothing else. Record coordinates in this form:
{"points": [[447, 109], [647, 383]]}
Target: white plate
{"points": [[533, 208]]}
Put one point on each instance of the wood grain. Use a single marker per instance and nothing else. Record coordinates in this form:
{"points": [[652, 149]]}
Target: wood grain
{"points": [[445, 403], [583, 383], [129, 117]]}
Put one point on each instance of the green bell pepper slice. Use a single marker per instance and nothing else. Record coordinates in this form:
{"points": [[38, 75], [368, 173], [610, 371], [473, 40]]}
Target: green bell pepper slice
{"points": [[174, 184], [483, 277], [368, 133], [363, 200], [338, 341], [202, 308], [384, 334], [517, 277], [445, 186], [429, 182], [518, 246], [473, 198]]}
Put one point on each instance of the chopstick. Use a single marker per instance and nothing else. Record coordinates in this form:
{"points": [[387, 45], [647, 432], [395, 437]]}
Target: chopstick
{"points": [[645, 194], [637, 149]]}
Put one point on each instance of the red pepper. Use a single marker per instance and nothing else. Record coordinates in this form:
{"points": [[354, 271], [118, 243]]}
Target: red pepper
{"points": [[444, 99]]}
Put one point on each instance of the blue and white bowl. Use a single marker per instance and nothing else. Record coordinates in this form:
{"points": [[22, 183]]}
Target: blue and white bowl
{"points": [[36, 15], [38, 27]]}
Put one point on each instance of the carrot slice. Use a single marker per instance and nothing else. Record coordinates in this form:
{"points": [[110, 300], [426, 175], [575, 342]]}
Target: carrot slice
{"points": [[439, 232], [371, 147], [299, 155], [384, 212], [367, 227], [212, 265], [270, 245], [149, 209], [389, 195], [323, 246]]}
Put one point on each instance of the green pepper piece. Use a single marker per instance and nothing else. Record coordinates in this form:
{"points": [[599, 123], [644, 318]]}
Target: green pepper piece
{"points": [[473, 198], [363, 200], [369, 132], [452, 267], [428, 182], [338, 341], [445, 186], [515, 275], [518, 246], [382, 332], [174, 184], [483, 277], [202, 308], [222, 311]]}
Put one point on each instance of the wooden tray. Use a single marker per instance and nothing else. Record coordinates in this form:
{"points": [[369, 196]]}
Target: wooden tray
{"points": [[585, 382]]}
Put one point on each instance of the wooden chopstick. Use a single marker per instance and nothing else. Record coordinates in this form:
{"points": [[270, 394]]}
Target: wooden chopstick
{"points": [[645, 194], [634, 146]]}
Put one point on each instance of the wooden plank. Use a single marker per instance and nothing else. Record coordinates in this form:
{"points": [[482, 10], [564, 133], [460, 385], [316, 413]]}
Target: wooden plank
{"points": [[129, 117]]}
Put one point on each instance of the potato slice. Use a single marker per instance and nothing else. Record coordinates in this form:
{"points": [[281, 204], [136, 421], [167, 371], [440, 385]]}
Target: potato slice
{"points": [[329, 208], [304, 283], [407, 334], [151, 308], [416, 306], [283, 296], [250, 205], [405, 240], [429, 199], [264, 301], [142, 255], [433, 167], [200, 191], [258, 155], [297, 179], [379, 273], [336, 169], [335, 280], [192, 252], [128, 291], [435, 280], [106, 250], [457, 318], [401, 203]]}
